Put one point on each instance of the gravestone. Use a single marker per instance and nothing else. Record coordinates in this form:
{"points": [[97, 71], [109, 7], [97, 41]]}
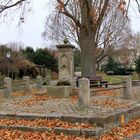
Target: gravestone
{"points": [[66, 62], [127, 90], [26, 80], [48, 80], [8, 87], [84, 93], [39, 82]]}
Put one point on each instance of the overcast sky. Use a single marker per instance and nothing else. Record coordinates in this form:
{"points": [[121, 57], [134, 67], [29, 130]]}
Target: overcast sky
{"points": [[30, 32]]}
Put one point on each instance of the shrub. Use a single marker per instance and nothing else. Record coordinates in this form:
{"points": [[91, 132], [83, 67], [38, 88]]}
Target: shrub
{"points": [[137, 62]]}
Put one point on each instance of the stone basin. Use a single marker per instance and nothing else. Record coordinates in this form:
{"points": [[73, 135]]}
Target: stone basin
{"points": [[59, 91]]}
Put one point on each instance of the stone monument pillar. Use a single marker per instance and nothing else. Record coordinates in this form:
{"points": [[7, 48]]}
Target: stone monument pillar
{"points": [[66, 62]]}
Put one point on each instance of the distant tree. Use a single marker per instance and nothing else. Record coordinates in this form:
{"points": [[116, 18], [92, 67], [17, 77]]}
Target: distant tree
{"points": [[16, 62], [86, 17], [112, 65], [29, 53], [138, 66], [44, 57]]}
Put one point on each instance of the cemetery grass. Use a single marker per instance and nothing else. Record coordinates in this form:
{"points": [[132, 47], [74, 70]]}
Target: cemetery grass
{"points": [[116, 78]]}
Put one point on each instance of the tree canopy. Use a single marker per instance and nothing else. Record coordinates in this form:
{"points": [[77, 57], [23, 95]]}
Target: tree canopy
{"points": [[87, 19]]}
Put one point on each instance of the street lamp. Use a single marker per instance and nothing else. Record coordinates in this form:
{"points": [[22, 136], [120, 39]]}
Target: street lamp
{"points": [[8, 55]]}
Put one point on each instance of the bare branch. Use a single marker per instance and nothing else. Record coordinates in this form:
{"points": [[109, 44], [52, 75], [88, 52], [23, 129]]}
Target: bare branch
{"points": [[138, 5], [6, 6]]}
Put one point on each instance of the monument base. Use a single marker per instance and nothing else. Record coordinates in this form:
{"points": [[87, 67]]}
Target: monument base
{"points": [[59, 91]]}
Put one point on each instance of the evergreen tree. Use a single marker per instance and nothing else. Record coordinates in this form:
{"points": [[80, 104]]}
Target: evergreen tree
{"points": [[138, 66], [113, 66], [44, 57]]}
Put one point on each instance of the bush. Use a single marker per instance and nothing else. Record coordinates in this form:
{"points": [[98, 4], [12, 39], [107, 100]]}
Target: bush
{"points": [[137, 62], [115, 68]]}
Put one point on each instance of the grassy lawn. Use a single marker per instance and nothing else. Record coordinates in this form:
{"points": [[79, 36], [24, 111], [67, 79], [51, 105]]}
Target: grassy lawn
{"points": [[135, 76], [112, 79], [116, 78]]}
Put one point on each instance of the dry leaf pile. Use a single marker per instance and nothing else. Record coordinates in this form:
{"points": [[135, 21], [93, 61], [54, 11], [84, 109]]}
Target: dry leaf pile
{"points": [[119, 133], [21, 135], [51, 123], [116, 93], [34, 99], [110, 103]]}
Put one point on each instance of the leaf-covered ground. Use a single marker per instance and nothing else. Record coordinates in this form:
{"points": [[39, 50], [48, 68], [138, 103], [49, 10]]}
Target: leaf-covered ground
{"points": [[125, 131], [119, 133], [44, 104], [51, 123], [22, 135]]}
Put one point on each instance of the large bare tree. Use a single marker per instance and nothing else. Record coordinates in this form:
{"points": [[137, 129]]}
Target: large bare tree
{"points": [[87, 17], [84, 22], [114, 29]]}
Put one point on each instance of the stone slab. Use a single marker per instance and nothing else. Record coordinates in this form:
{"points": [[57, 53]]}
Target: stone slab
{"points": [[59, 91]]}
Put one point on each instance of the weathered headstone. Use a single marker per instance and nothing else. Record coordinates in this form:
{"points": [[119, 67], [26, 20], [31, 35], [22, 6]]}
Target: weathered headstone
{"points": [[8, 87], [127, 90], [48, 80], [84, 93], [66, 62], [39, 82], [26, 80]]}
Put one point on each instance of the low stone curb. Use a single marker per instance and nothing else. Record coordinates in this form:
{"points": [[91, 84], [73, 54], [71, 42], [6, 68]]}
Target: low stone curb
{"points": [[26, 128], [96, 132], [29, 116], [58, 130], [134, 137], [118, 117]]}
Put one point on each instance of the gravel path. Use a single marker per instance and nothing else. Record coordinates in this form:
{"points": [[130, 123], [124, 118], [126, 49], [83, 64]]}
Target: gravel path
{"points": [[100, 105]]}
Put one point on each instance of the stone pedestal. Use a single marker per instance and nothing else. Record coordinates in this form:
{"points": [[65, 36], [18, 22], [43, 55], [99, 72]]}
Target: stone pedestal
{"points": [[66, 62], [39, 82], [8, 87], [26, 80], [84, 93], [59, 91], [127, 90], [48, 80]]}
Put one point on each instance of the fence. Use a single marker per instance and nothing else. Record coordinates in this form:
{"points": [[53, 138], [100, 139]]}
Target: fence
{"points": [[8, 85], [84, 90]]}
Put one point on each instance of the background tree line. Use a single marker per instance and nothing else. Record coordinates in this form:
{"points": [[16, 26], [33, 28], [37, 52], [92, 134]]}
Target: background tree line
{"points": [[26, 61], [94, 25]]}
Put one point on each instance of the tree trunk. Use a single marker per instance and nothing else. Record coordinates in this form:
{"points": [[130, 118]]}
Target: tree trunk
{"points": [[88, 59], [87, 40]]}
